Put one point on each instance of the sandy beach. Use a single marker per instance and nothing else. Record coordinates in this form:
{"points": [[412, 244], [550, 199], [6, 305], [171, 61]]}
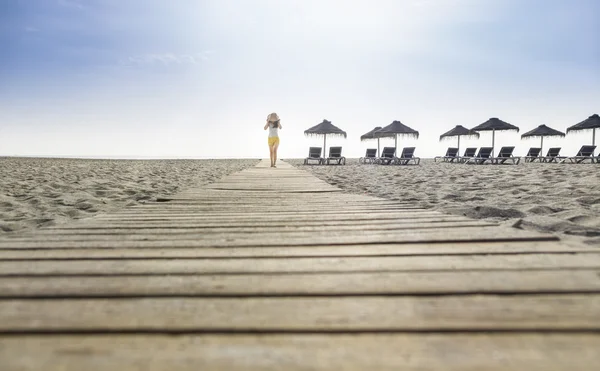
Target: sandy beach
{"points": [[563, 199], [37, 192]]}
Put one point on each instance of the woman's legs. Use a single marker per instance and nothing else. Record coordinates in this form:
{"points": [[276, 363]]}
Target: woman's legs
{"points": [[275, 153], [271, 154]]}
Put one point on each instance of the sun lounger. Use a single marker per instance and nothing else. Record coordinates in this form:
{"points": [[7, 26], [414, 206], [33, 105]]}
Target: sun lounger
{"points": [[370, 156], [504, 156], [482, 156], [314, 154], [469, 153], [335, 156], [585, 153], [552, 155], [533, 154], [450, 156], [407, 156], [387, 156]]}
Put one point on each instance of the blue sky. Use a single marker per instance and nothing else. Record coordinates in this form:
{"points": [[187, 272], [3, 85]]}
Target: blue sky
{"points": [[193, 78]]}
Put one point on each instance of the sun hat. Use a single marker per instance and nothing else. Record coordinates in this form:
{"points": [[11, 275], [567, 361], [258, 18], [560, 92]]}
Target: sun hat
{"points": [[273, 117]]}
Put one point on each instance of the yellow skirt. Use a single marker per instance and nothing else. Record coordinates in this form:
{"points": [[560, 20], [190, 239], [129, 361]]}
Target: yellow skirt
{"points": [[273, 141]]}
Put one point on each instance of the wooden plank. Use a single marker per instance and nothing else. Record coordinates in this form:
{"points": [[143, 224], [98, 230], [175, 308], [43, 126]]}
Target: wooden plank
{"points": [[306, 314], [476, 248], [314, 214], [484, 248], [299, 265], [211, 223], [410, 352], [361, 284], [425, 234], [282, 230]]}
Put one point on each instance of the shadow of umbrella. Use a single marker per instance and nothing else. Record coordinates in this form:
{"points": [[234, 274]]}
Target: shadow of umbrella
{"points": [[542, 131], [393, 130], [459, 131], [495, 124], [325, 128], [591, 123], [371, 135]]}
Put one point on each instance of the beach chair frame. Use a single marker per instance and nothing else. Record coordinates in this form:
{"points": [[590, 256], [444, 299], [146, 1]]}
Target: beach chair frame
{"points": [[407, 156], [450, 156], [505, 156], [585, 153], [387, 156], [533, 154], [314, 154], [370, 156], [470, 152], [335, 156], [553, 155], [483, 155]]}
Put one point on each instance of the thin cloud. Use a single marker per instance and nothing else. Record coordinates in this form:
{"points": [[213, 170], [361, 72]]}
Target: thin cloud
{"points": [[166, 59], [31, 29]]}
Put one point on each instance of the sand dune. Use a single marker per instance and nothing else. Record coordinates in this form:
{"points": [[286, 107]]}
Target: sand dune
{"points": [[41, 191], [563, 199]]}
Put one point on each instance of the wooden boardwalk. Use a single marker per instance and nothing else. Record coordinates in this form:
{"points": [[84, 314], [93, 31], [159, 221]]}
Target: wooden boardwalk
{"points": [[273, 269]]}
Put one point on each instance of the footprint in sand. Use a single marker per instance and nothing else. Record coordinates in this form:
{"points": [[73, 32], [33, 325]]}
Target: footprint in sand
{"points": [[586, 220], [544, 210]]}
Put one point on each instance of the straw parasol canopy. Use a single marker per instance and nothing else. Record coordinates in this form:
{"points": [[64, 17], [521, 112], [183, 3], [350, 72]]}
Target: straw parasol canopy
{"points": [[394, 129], [459, 131], [495, 124], [541, 132], [325, 128], [371, 135], [591, 123]]}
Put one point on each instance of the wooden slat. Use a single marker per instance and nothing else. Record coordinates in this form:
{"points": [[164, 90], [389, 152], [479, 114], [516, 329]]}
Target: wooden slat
{"points": [[289, 265], [410, 352], [306, 314], [209, 223], [430, 235], [480, 248], [376, 283], [283, 230]]}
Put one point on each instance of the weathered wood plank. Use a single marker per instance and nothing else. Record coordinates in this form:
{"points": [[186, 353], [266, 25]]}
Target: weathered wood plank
{"points": [[415, 237], [475, 248], [314, 214], [176, 229], [297, 265], [410, 352], [306, 314], [211, 223], [377, 283]]}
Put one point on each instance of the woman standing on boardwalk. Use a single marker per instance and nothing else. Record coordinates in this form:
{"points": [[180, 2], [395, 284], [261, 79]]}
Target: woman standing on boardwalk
{"points": [[273, 125]]}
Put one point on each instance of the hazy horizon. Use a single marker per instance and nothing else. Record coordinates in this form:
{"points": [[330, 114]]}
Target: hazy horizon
{"points": [[146, 78]]}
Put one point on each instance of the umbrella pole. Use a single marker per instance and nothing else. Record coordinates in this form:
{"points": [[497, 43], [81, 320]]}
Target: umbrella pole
{"points": [[324, 145], [396, 144], [541, 147], [458, 145], [594, 137], [377, 147], [493, 139]]}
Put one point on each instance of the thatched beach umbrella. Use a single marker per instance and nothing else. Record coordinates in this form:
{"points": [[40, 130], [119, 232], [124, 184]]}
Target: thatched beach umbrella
{"points": [[591, 123], [394, 129], [325, 128], [542, 131], [371, 135], [495, 124], [459, 131]]}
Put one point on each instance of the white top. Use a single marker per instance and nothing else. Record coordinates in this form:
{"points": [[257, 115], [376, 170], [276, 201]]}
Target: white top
{"points": [[273, 131]]}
